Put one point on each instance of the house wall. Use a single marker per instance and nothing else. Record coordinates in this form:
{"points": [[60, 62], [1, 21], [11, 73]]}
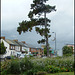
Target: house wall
{"points": [[17, 48], [24, 48], [38, 51]]}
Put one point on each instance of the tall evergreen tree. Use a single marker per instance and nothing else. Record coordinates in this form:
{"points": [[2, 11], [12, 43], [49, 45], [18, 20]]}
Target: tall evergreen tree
{"points": [[37, 9], [2, 48]]}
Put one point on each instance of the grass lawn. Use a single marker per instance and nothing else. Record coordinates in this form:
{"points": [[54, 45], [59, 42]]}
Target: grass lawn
{"points": [[62, 73]]}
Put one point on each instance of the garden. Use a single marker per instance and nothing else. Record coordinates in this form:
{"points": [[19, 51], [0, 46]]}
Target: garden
{"points": [[38, 66]]}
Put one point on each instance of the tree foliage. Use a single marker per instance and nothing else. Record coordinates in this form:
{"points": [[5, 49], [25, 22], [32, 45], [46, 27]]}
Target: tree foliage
{"points": [[2, 48], [67, 50], [38, 8], [45, 50]]}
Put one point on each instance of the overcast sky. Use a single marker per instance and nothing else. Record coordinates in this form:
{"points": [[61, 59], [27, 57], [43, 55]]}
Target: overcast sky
{"points": [[62, 21]]}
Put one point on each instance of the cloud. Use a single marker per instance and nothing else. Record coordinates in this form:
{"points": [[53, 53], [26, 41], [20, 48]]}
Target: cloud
{"points": [[62, 21], [13, 12]]}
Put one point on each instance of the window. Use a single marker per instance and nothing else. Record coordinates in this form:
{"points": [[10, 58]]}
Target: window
{"points": [[11, 47]]}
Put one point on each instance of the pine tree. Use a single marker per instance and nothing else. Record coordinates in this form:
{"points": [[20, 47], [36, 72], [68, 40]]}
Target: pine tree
{"points": [[37, 9]]}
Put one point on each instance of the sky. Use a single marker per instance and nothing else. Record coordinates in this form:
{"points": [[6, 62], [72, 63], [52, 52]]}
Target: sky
{"points": [[62, 21]]}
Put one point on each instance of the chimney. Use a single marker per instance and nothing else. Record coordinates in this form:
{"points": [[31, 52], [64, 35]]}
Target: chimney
{"points": [[16, 40], [2, 37], [23, 42]]}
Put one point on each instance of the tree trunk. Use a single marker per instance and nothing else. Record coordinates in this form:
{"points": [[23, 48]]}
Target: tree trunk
{"points": [[47, 45]]}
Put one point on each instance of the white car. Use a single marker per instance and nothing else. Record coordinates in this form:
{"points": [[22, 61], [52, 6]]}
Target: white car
{"points": [[44, 57]]}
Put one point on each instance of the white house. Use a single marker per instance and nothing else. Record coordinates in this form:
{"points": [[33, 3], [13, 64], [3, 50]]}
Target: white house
{"points": [[11, 47], [14, 47], [23, 47], [8, 52]]}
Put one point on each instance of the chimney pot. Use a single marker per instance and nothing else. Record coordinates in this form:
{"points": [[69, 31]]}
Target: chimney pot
{"points": [[23, 42], [2, 37], [15, 40]]}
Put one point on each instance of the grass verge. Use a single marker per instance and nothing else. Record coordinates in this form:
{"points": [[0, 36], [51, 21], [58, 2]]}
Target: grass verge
{"points": [[62, 73]]}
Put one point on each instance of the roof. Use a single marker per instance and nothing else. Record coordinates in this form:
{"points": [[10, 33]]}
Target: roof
{"points": [[70, 44], [20, 43], [11, 42], [31, 46], [17, 43]]}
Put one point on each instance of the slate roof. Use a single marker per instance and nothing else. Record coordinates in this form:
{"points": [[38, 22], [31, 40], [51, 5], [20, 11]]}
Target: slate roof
{"points": [[11, 42], [17, 43], [20, 43], [31, 46]]}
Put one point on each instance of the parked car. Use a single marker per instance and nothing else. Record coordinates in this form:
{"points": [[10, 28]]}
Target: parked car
{"points": [[8, 57], [44, 57]]}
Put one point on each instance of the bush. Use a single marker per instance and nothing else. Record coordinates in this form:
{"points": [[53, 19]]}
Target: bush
{"points": [[32, 72], [67, 50], [14, 67], [52, 69], [17, 67], [63, 69], [68, 55], [26, 64]]}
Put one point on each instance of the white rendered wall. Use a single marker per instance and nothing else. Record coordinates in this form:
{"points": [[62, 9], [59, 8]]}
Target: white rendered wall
{"points": [[17, 48], [24, 48], [8, 51]]}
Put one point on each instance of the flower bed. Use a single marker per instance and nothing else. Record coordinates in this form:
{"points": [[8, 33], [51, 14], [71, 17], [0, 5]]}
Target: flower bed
{"points": [[32, 66]]}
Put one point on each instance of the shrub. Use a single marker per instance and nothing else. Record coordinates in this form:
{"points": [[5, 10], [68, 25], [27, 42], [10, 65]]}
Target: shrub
{"points": [[26, 64], [33, 66], [4, 72], [67, 50], [14, 67], [32, 71], [63, 69], [52, 69]]}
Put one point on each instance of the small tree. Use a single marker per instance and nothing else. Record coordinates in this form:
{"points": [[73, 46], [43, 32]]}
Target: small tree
{"points": [[67, 50], [2, 48], [45, 51]]}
